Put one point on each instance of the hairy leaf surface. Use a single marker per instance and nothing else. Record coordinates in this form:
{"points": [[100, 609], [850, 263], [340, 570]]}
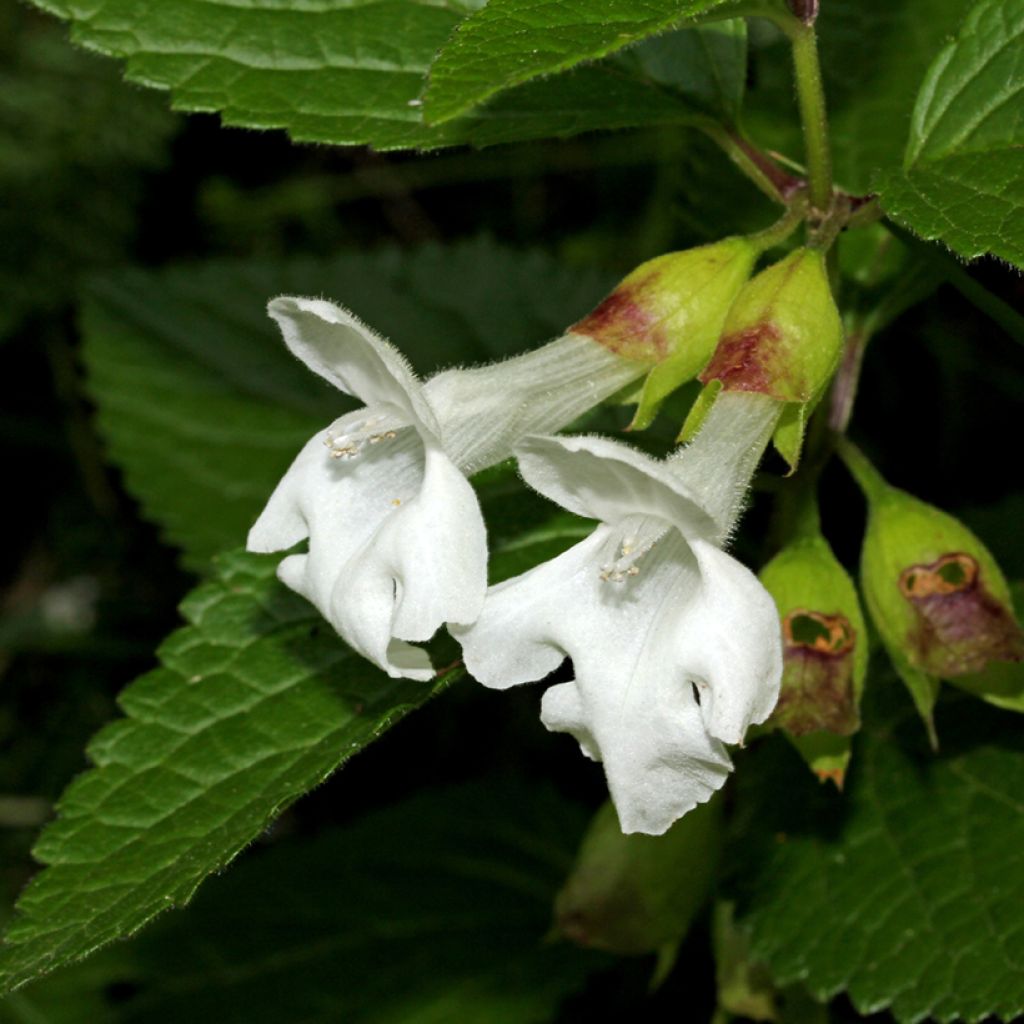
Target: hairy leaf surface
{"points": [[348, 74], [963, 176], [906, 890], [508, 42]]}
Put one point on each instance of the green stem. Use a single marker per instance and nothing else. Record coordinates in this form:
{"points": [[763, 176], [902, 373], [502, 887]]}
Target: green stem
{"points": [[778, 232], [806, 517], [764, 172], [811, 98], [870, 481]]}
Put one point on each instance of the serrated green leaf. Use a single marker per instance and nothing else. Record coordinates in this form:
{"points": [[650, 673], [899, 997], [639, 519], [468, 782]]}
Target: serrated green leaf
{"points": [[256, 701], [202, 406], [429, 911], [509, 42], [907, 890], [348, 74], [963, 176]]}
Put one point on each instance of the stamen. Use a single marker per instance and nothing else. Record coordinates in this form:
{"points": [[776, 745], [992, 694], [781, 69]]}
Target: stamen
{"points": [[625, 565], [358, 434]]}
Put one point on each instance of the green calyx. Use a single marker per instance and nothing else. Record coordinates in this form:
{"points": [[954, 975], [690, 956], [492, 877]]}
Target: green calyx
{"points": [[937, 597], [636, 894], [669, 313], [825, 652], [783, 338]]}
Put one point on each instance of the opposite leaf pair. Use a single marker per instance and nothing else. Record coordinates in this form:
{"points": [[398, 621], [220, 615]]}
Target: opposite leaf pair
{"points": [[675, 645]]}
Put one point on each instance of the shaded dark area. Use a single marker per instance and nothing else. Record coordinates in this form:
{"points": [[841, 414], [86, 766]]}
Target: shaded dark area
{"points": [[88, 587]]}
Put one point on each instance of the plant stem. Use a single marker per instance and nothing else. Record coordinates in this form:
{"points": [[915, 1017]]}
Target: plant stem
{"points": [[844, 386], [871, 482], [811, 98], [760, 168], [778, 232]]}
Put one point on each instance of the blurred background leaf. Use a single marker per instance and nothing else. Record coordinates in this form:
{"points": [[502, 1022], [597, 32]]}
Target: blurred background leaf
{"points": [[75, 146], [432, 910]]}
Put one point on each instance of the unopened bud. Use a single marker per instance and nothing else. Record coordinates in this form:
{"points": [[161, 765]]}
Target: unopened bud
{"points": [[825, 653], [669, 313], [936, 594], [635, 894], [782, 338]]}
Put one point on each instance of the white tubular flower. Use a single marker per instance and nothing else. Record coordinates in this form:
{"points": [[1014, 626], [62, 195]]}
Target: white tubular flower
{"points": [[397, 545], [675, 646]]}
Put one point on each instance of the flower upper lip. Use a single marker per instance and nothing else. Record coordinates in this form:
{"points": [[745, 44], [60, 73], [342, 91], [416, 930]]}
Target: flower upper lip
{"points": [[607, 480]]}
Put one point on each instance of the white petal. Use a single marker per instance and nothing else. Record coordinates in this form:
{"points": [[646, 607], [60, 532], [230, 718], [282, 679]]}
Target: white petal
{"points": [[337, 346], [732, 646], [515, 639], [658, 759], [632, 703], [607, 480], [427, 565], [341, 505]]}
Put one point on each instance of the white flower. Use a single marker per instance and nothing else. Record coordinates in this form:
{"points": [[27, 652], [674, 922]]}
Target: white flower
{"points": [[675, 646], [397, 545]]}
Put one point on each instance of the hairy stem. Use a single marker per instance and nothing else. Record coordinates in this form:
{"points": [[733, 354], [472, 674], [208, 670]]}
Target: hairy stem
{"points": [[811, 98], [778, 232]]}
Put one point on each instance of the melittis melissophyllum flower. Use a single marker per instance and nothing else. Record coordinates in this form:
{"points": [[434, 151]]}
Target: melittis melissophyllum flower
{"points": [[937, 598], [396, 542], [824, 648], [674, 645]]}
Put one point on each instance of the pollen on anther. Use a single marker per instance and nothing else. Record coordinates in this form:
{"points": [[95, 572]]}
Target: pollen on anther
{"points": [[396, 502]]}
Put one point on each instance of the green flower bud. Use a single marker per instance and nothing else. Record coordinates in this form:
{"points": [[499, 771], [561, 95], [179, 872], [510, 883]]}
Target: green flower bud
{"points": [[669, 313], [783, 337], [825, 653], [935, 593], [635, 894]]}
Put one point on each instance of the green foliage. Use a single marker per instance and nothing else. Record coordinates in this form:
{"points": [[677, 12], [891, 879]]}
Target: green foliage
{"points": [[963, 175], [74, 143], [509, 42], [255, 702], [349, 74], [429, 911], [907, 890], [203, 407], [873, 55]]}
